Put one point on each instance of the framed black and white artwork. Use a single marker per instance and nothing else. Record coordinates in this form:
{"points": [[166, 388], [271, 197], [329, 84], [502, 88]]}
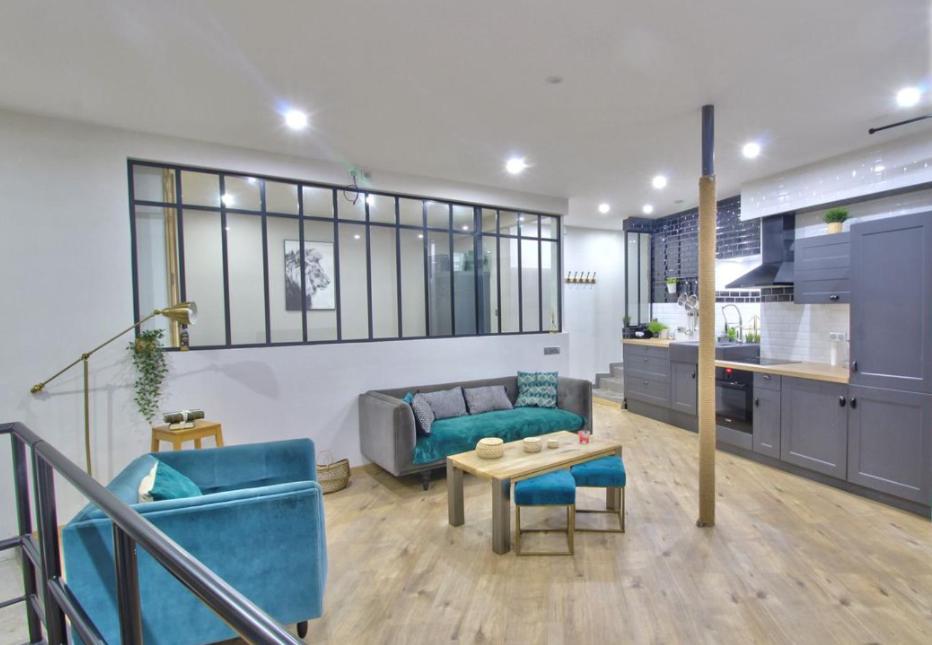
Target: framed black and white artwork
{"points": [[318, 272]]}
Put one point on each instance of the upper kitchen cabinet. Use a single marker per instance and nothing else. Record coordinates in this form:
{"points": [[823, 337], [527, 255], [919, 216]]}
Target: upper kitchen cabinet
{"points": [[822, 269], [891, 303]]}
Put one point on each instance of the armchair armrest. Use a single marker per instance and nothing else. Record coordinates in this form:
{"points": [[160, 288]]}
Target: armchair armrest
{"points": [[386, 432], [246, 465], [575, 395]]}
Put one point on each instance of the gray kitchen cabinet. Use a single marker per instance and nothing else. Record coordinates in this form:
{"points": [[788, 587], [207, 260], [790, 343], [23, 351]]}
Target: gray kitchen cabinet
{"points": [[683, 394], [766, 438], [890, 442], [822, 269], [891, 303], [814, 425]]}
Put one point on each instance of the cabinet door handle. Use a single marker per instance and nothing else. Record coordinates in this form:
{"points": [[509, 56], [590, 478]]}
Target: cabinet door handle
{"points": [[854, 403], [833, 297], [766, 377], [854, 366], [756, 403], [842, 400], [693, 375]]}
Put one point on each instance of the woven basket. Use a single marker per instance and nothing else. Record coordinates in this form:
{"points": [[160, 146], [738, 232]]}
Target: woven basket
{"points": [[490, 448], [333, 475]]}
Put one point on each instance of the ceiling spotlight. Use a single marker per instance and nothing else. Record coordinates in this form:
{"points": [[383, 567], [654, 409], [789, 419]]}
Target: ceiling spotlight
{"points": [[370, 199], [515, 165], [228, 199], [356, 236], [647, 209], [908, 97], [879, 168], [465, 227], [296, 119], [420, 236], [751, 150], [659, 182], [604, 208]]}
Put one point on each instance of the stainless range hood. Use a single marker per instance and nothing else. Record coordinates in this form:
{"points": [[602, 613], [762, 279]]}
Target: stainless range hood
{"points": [[777, 237]]}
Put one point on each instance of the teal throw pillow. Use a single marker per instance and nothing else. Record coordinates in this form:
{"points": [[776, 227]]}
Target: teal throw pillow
{"points": [[537, 389], [164, 482]]}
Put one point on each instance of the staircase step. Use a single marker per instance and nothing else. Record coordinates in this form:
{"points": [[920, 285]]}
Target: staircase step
{"points": [[617, 369], [612, 384], [608, 395]]}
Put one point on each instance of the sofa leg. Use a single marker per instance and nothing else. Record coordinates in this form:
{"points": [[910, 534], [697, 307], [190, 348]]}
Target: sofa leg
{"points": [[302, 629], [425, 479]]}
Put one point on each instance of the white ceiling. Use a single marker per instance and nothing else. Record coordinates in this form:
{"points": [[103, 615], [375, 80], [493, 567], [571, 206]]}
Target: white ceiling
{"points": [[449, 89]]}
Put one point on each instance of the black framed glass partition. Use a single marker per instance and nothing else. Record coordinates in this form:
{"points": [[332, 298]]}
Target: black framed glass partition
{"points": [[637, 277], [275, 261]]}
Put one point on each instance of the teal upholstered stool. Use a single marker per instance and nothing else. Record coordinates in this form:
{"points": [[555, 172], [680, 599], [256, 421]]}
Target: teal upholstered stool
{"points": [[608, 473], [553, 489]]}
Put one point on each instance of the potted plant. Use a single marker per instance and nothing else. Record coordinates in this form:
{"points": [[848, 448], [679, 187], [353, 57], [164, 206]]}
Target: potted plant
{"points": [[671, 285], [835, 217], [656, 328], [626, 326], [151, 368]]}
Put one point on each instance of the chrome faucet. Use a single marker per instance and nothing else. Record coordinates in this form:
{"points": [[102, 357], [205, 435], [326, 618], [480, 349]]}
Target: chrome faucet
{"points": [[740, 334]]}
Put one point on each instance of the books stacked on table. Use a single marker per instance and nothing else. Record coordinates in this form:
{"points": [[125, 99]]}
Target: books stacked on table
{"points": [[182, 419]]}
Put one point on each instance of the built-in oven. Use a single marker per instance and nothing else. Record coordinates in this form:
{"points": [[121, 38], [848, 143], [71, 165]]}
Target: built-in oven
{"points": [[734, 395]]}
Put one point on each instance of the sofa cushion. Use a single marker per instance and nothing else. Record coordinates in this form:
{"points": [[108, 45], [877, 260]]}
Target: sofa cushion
{"points": [[446, 404], [487, 399], [537, 389], [423, 414], [164, 482], [450, 436]]}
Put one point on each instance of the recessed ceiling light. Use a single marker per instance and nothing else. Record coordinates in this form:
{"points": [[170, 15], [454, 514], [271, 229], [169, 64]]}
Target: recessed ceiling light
{"points": [[751, 150], [251, 180], [520, 218], [604, 208], [515, 165], [908, 97], [647, 209], [465, 227], [296, 119], [370, 199], [879, 168], [356, 236], [659, 182], [420, 236], [228, 199]]}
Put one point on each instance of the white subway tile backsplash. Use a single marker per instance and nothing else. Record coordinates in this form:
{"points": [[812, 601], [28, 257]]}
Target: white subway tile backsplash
{"points": [[802, 332]]}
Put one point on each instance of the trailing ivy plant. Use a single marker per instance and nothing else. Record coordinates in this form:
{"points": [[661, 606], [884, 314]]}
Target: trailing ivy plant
{"points": [[151, 368]]}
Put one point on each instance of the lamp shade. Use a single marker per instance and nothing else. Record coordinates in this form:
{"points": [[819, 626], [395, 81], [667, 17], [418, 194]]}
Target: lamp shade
{"points": [[184, 313]]}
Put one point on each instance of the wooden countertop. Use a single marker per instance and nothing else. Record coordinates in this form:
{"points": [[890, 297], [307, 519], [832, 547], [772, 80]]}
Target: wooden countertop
{"points": [[814, 371], [648, 342]]}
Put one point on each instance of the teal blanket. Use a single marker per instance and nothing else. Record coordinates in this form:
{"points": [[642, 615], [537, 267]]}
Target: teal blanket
{"points": [[450, 436]]}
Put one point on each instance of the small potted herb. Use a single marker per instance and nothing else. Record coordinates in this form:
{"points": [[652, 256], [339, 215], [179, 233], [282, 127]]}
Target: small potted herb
{"points": [[656, 328], [835, 218], [671, 285]]}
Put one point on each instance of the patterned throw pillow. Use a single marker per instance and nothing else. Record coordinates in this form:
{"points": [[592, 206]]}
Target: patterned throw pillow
{"points": [[423, 413], [537, 389]]}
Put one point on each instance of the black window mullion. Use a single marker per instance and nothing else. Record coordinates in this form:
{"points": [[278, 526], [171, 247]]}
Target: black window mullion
{"points": [[182, 286], [301, 262], [540, 285], [132, 236], [520, 286], [559, 275], [226, 264], [452, 280], [365, 206], [498, 269], [265, 263], [424, 235], [336, 266], [477, 254], [398, 270]]}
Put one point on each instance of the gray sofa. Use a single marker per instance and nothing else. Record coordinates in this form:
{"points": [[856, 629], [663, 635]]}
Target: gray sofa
{"points": [[387, 432]]}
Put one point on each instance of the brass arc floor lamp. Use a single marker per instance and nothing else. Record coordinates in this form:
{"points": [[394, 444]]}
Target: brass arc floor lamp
{"points": [[184, 313]]}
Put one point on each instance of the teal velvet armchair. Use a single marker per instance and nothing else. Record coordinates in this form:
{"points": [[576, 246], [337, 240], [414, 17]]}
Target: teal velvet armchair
{"points": [[259, 525]]}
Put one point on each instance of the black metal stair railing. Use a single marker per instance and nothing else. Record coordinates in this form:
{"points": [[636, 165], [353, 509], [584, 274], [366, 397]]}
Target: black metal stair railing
{"points": [[48, 602]]}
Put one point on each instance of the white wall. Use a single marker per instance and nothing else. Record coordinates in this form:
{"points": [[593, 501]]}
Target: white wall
{"points": [[65, 262], [592, 313]]}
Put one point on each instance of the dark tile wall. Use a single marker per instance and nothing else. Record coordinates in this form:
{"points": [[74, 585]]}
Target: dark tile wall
{"points": [[675, 245], [764, 294]]}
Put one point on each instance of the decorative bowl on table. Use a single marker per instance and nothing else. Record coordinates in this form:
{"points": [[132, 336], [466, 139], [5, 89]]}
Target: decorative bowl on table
{"points": [[553, 443], [490, 448], [533, 444]]}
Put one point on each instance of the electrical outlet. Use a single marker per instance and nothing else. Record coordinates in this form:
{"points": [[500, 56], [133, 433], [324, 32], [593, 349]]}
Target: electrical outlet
{"points": [[549, 351], [836, 335]]}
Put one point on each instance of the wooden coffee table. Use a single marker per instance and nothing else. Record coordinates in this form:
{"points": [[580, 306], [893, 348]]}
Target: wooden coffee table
{"points": [[516, 465]]}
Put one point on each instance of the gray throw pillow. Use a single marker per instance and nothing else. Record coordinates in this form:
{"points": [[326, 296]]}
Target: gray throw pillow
{"points": [[487, 398], [446, 404], [423, 413]]}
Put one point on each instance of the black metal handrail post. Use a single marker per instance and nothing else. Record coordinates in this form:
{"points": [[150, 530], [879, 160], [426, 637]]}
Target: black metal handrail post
{"points": [[130, 530], [24, 524]]}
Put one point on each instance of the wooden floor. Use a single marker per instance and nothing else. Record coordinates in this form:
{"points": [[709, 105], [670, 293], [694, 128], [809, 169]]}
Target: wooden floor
{"points": [[790, 561]]}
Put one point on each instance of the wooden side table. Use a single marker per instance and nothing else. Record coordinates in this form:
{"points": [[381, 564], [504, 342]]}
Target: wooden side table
{"points": [[202, 428]]}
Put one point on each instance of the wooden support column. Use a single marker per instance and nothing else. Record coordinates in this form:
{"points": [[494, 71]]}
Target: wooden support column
{"points": [[706, 375]]}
